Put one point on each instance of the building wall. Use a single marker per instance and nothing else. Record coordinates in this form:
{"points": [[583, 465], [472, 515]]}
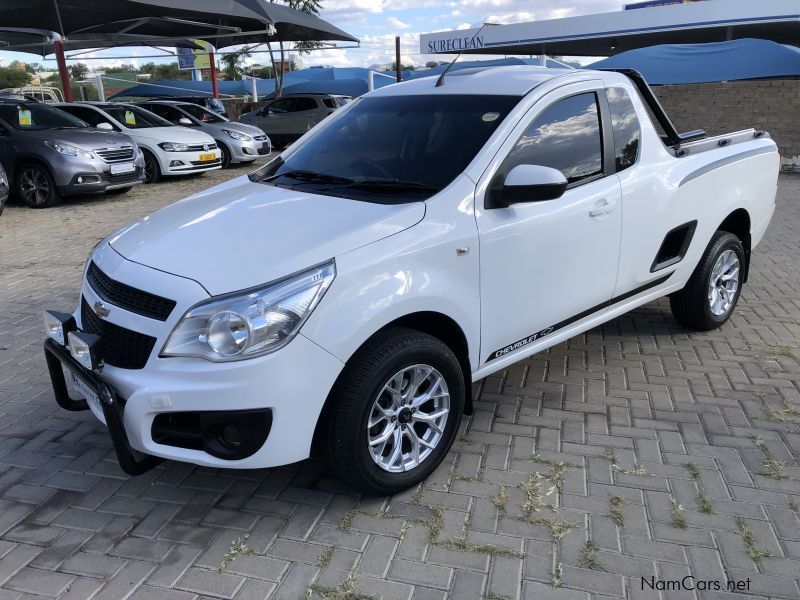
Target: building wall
{"points": [[771, 105]]}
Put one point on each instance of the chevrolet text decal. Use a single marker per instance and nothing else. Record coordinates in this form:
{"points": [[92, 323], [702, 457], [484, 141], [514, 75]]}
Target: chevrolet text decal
{"points": [[456, 44], [575, 318], [521, 343]]}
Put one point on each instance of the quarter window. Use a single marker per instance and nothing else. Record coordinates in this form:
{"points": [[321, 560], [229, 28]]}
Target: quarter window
{"points": [[305, 104], [567, 137], [626, 127]]}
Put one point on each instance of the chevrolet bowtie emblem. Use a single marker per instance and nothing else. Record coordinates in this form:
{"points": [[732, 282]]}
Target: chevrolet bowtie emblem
{"points": [[100, 309]]}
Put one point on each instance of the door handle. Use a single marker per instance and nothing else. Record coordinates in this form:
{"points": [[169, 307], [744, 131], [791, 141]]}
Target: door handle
{"points": [[603, 207]]}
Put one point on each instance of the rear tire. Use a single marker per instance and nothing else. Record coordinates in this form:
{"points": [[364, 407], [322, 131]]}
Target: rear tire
{"points": [[35, 186], [382, 435], [711, 294], [152, 169]]}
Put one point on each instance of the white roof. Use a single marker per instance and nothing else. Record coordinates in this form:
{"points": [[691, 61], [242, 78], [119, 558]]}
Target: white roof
{"points": [[515, 80]]}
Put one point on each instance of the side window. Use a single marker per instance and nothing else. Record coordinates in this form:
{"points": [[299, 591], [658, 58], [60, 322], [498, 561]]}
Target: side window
{"points": [[92, 117], [626, 127], [165, 112], [566, 136], [305, 104], [282, 106], [329, 102]]}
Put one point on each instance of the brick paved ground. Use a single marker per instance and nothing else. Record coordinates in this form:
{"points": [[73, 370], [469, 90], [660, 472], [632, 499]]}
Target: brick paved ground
{"points": [[635, 450]]}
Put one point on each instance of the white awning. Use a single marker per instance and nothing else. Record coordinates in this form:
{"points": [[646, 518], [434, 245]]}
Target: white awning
{"points": [[606, 34]]}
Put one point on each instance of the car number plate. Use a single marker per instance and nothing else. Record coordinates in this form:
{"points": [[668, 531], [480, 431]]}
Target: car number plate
{"points": [[207, 157], [83, 389], [119, 169]]}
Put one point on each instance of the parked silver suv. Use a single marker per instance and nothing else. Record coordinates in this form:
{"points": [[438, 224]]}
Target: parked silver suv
{"points": [[49, 154], [287, 118], [239, 142]]}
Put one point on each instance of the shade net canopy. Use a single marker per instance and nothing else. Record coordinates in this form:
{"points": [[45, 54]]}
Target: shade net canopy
{"points": [[42, 42], [735, 60], [222, 22]]}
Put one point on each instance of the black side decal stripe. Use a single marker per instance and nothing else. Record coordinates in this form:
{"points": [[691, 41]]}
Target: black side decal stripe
{"points": [[575, 318]]}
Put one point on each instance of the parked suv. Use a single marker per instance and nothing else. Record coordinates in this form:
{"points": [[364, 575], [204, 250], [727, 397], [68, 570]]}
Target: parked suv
{"points": [[287, 118], [48, 154], [167, 149], [239, 142]]}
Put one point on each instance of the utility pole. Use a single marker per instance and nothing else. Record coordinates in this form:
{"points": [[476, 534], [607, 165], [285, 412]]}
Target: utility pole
{"points": [[397, 58]]}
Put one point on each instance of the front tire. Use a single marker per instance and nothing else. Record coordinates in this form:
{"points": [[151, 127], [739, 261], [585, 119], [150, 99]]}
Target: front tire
{"points": [[395, 413], [711, 294], [226, 155], [35, 186], [152, 170]]}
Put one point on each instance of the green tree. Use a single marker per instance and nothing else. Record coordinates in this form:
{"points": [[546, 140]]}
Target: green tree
{"points": [[78, 71], [12, 77], [233, 63]]}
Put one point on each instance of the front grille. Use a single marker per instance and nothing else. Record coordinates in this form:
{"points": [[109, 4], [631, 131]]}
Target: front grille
{"points": [[125, 177], [120, 347], [115, 155], [202, 147], [127, 297], [260, 138]]}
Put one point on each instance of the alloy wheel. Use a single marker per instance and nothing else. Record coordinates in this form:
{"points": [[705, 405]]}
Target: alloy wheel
{"points": [[408, 418], [723, 283], [35, 187]]}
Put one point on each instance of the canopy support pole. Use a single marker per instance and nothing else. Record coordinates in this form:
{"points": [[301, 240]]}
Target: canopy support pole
{"points": [[101, 91], [397, 66], [62, 70], [214, 82]]}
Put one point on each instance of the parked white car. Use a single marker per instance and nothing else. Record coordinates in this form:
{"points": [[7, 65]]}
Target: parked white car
{"points": [[168, 149], [345, 296]]}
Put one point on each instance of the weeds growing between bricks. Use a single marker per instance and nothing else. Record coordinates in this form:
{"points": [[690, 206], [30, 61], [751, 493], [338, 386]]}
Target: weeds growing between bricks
{"points": [[754, 552], [703, 502], [773, 468]]}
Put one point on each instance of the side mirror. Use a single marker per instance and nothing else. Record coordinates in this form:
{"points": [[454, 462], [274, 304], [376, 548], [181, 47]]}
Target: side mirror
{"points": [[105, 126], [184, 121], [528, 183]]}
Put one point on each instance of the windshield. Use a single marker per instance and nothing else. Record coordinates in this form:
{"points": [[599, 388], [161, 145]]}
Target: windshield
{"points": [[134, 117], [392, 149], [202, 114], [33, 116]]}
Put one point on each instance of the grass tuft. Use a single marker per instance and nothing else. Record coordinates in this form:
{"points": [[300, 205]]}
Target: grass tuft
{"points": [[238, 547], [754, 552], [325, 558], [772, 467], [462, 545], [347, 590], [704, 504], [347, 520], [435, 523], [693, 471], [589, 556], [557, 575], [500, 500], [534, 498], [615, 504], [676, 512]]}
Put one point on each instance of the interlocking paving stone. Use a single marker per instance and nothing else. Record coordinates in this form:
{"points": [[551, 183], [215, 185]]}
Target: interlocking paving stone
{"points": [[658, 396]]}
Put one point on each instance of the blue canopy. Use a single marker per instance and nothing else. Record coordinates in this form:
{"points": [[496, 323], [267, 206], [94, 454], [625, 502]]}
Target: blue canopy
{"points": [[706, 63]]}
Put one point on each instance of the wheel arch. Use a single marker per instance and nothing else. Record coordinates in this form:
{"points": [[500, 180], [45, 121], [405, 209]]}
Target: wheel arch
{"points": [[440, 326], [738, 223]]}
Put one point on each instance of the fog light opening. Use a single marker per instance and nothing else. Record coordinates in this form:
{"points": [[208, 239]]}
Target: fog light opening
{"points": [[230, 437]]}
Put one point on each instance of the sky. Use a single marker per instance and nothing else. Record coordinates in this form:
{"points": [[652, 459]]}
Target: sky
{"points": [[377, 22]]}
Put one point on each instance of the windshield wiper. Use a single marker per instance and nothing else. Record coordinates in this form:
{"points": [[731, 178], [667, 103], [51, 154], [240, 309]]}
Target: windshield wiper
{"points": [[394, 184], [311, 176]]}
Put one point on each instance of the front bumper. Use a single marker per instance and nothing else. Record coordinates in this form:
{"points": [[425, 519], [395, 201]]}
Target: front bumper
{"points": [[248, 151], [75, 175], [290, 384], [180, 163]]}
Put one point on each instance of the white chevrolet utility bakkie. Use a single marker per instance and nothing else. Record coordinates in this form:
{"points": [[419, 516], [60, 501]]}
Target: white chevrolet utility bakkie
{"points": [[341, 300]]}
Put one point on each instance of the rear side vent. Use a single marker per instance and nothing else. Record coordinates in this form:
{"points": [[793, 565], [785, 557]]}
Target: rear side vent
{"points": [[674, 247]]}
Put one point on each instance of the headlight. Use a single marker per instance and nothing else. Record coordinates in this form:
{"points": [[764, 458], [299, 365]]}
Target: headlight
{"points": [[237, 135], [68, 150], [250, 323], [172, 147]]}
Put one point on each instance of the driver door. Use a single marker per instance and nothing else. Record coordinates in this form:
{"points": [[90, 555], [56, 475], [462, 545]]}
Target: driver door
{"points": [[548, 264]]}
